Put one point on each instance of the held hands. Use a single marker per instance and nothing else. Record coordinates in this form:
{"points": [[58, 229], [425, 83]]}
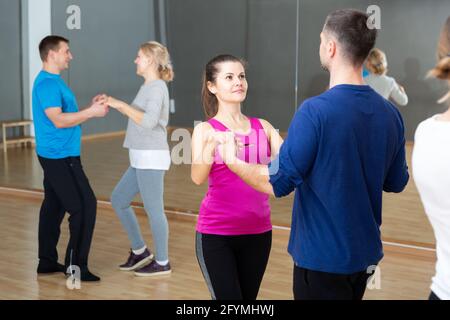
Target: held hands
{"points": [[113, 103], [228, 146], [215, 138], [99, 98], [98, 107]]}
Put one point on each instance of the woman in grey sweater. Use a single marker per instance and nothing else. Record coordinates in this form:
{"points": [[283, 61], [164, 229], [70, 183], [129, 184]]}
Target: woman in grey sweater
{"points": [[384, 85], [146, 139]]}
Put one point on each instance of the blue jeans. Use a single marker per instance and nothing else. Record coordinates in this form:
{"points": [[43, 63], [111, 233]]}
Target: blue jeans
{"points": [[150, 184]]}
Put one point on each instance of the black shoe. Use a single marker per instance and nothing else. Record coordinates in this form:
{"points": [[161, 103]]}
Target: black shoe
{"points": [[86, 275], [44, 268]]}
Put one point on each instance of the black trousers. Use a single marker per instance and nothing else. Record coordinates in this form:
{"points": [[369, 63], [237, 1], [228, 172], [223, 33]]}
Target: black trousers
{"points": [[66, 189], [315, 285], [233, 266]]}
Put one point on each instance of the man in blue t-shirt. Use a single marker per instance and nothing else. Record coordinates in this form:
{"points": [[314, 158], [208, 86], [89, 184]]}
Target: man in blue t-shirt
{"points": [[57, 122], [343, 149]]}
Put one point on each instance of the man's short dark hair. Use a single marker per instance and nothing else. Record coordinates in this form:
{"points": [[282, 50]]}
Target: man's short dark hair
{"points": [[350, 28], [50, 43]]}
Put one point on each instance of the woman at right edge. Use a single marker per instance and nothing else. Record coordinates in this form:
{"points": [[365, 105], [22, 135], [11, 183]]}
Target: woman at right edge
{"points": [[430, 163]]}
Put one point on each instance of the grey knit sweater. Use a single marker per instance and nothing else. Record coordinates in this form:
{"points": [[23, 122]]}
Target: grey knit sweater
{"points": [[151, 134]]}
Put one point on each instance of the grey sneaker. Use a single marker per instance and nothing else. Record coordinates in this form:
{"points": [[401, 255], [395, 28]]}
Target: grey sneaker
{"points": [[153, 269], [136, 261]]}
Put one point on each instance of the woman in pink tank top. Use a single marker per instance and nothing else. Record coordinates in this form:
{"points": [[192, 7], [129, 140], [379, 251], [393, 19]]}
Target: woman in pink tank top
{"points": [[234, 231]]}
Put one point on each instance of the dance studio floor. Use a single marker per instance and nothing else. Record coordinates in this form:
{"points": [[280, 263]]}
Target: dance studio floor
{"points": [[406, 270]]}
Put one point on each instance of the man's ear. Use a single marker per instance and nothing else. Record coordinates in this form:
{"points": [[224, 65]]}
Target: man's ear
{"points": [[331, 48], [50, 56]]}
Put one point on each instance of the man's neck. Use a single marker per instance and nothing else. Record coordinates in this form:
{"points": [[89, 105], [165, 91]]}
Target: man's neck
{"points": [[344, 74], [51, 68]]}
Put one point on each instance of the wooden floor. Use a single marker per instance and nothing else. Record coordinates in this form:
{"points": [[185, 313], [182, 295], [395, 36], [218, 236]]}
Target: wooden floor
{"points": [[405, 272], [105, 161]]}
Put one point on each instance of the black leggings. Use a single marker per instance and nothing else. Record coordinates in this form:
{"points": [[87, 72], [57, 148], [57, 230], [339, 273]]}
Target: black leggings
{"points": [[233, 266]]}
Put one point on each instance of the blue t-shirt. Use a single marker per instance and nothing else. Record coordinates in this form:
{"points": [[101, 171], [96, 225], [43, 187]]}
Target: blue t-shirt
{"points": [[344, 147], [50, 90]]}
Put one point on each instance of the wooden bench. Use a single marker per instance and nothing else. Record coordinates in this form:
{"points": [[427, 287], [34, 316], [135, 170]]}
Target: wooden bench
{"points": [[19, 139]]}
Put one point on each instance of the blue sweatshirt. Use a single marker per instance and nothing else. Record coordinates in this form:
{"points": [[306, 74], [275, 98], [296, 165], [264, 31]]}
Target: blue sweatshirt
{"points": [[344, 147]]}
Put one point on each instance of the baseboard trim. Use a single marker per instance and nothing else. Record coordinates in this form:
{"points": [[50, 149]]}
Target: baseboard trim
{"points": [[95, 136]]}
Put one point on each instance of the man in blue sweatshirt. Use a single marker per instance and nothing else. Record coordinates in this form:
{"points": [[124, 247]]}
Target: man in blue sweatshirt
{"points": [[343, 149]]}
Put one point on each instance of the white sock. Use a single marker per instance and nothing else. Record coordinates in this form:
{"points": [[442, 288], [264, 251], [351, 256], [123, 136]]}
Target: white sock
{"points": [[140, 251], [162, 263]]}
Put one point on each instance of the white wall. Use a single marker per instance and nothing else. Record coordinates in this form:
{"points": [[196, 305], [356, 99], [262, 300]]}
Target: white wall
{"points": [[37, 24]]}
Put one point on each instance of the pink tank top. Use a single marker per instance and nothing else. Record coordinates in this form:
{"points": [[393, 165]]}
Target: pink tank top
{"points": [[230, 206]]}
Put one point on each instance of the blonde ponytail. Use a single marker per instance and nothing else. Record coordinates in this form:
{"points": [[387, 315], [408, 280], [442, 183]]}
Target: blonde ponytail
{"points": [[161, 55], [442, 68]]}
